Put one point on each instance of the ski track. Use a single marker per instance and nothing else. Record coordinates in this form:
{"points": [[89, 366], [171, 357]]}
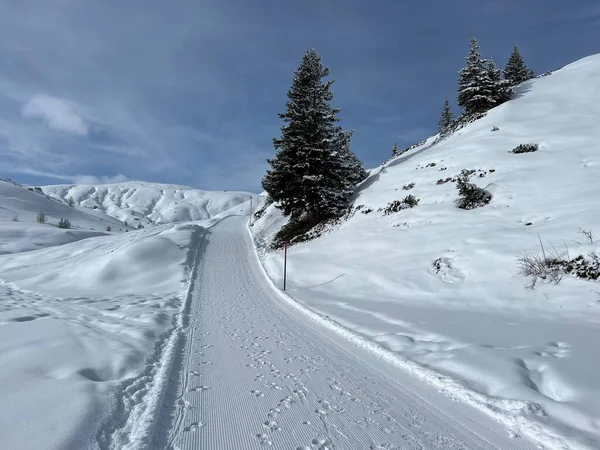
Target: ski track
{"points": [[250, 372]]}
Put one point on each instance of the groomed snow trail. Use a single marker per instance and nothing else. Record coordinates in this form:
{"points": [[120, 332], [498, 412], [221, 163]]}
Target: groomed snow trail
{"points": [[255, 372]]}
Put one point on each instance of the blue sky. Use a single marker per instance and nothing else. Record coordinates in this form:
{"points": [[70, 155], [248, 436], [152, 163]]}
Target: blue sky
{"points": [[188, 91]]}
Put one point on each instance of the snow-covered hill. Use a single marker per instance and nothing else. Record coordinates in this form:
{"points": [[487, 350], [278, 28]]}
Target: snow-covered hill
{"points": [[19, 230], [139, 202], [438, 285]]}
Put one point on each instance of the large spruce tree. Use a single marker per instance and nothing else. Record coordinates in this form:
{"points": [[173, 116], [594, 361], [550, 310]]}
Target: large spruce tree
{"points": [[516, 71], [446, 118], [314, 171]]}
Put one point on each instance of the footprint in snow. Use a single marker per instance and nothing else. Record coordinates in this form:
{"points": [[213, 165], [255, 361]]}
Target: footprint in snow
{"points": [[263, 439], [194, 426], [271, 425], [199, 389]]}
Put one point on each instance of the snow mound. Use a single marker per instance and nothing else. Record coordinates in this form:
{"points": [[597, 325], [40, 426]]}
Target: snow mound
{"points": [[438, 285], [138, 202]]}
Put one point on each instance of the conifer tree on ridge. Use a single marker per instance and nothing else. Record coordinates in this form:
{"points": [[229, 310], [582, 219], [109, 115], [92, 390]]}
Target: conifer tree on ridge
{"points": [[516, 71], [446, 118]]}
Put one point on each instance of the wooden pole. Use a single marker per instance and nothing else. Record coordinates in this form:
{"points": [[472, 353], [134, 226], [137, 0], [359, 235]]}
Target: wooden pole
{"points": [[250, 211], [285, 247]]}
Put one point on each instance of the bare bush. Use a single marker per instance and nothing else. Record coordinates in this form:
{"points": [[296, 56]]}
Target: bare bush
{"points": [[587, 233], [41, 217], [534, 266]]}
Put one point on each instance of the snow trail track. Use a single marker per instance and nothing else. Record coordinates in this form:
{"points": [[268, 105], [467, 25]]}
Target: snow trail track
{"points": [[253, 372]]}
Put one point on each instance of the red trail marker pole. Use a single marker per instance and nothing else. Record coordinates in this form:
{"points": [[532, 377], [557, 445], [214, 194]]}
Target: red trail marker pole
{"points": [[285, 247]]}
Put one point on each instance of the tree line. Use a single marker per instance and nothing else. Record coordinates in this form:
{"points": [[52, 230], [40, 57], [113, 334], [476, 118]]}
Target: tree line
{"points": [[314, 172], [482, 86]]}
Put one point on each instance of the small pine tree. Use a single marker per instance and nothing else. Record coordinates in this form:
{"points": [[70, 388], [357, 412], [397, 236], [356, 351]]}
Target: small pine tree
{"points": [[15, 218], [474, 85], [64, 223], [140, 226], [446, 118], [395, 150], [516, 71], [71, 202], [41, 217], [500, 88], [108, 228]]}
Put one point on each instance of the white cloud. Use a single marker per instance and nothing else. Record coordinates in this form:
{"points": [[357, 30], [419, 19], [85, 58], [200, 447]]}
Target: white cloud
{"points": [[91, 179], [57, 113]]}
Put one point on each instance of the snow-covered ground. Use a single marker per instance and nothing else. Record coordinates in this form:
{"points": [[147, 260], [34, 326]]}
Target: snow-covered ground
{"points": [[83, 325], [470, 326], [255, 371]]}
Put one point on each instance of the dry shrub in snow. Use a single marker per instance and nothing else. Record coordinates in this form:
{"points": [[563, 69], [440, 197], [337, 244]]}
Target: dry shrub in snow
{"points": [[534, 266], [550, 268], [587, 233]]}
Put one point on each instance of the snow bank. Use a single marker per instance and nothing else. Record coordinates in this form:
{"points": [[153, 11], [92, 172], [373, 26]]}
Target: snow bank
{"points": [[439, 286], [75, 320]]}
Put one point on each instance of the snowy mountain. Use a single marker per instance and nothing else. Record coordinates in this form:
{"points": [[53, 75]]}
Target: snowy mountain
{"points": [[437, 288], [138, 202], [19, 207]]}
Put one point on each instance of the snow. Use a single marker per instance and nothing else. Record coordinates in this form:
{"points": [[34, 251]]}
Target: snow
{"points": [[82, 321], [472, 329], [254, 371], [137, 202]]}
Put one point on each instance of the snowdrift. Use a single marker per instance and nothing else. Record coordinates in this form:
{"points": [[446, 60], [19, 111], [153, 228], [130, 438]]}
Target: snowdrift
{"points": [[438, 285]]}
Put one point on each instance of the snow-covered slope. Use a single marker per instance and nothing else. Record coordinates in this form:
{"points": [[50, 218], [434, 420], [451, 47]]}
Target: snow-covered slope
{"points": [[82, 324], [19, 230], [139, 202], [438, 285]]}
